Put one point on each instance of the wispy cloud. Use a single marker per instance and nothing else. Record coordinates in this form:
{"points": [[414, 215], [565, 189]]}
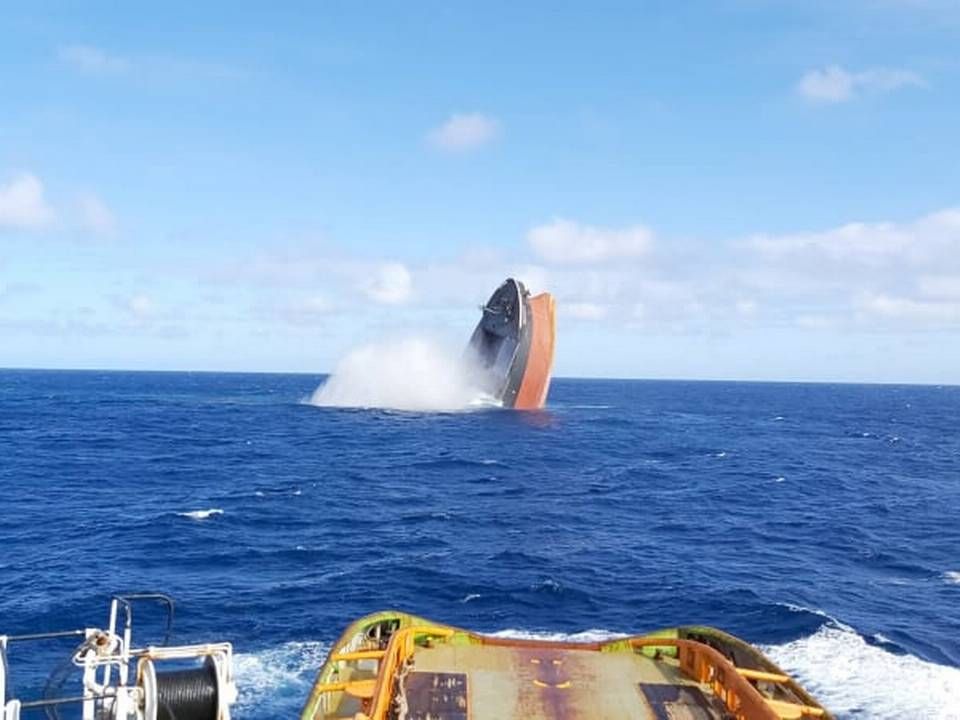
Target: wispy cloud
{"points": [[94, 60], [305, 311], [858, 276], [464, 132], [908, 310], [140, 307], [390, 284], [23, 205], [883, 274], [833, 84], [95, 216], [932, 242], [568, 242], [585, 310]]}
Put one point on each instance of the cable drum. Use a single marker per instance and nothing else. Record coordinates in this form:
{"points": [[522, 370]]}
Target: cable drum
{"points": [[192, 694]]}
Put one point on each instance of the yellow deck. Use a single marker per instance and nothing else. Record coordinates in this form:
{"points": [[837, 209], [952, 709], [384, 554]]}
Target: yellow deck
{"points": [[394, 666], [533, 683]]}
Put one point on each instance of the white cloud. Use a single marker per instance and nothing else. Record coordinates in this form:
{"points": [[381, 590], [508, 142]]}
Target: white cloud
{"points": [[93, 60], [391, 284], [909, 310], [139, 306], [564, 241], [833, 84], [307, 310], [585, 310], [746, 308], [22, 204], [815, 322], [95, 215], [893, 275], [940, 286], [463, 132], [931, 241]]}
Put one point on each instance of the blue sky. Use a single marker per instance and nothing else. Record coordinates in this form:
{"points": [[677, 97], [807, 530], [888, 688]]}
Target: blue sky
{"points": [[744, 190]]}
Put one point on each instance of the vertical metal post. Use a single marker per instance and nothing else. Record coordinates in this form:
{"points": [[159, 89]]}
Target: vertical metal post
{"points": [[12, 710], [89, 679], [112, 630], [3, 673]]}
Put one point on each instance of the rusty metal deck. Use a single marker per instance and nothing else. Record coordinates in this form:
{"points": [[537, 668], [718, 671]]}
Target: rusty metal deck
{"points": [[471, 682]]}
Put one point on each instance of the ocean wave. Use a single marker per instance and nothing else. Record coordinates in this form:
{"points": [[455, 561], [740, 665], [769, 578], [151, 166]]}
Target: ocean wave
{"points": [[852, 677], [804, 610], [277, 678], [952, 576], [201, 514], [845, 672], [584, 636]]}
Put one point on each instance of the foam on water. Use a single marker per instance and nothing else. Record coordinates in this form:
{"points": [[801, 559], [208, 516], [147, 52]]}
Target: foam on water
{"points": [[414, 374], [201, 514], [279, 678], [855, 679], [848, 675], [584, 636], [839, 667], [952, 576]]}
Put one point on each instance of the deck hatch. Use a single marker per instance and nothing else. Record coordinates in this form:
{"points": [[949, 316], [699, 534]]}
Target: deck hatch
{"points": [[670, 702], [436, 696]]}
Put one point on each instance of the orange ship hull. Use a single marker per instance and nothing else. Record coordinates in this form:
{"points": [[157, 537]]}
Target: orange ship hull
{"points": [[536, 377]]}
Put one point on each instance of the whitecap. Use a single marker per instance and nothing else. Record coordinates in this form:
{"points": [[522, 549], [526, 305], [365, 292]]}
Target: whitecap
{"points": [[952, 576], [201, 514], [471, 596], [548, 584], [278, 677], [584, 636], [856, 679]]}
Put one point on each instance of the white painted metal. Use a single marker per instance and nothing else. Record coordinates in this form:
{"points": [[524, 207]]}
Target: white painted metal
{"points": [[3, 673], [12, 710], [106, 651]]}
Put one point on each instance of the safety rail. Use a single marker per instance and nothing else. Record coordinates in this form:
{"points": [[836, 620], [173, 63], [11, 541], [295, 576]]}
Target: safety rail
{"points": [[380, 690], [399, 650], [730, 683], [699, 661]]}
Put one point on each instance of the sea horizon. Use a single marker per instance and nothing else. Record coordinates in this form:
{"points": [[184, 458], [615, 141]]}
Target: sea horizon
{"points": [[588, 378]]}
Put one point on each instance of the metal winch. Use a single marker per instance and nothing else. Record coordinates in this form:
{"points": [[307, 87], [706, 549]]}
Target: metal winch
{"points": [[124, 682]]}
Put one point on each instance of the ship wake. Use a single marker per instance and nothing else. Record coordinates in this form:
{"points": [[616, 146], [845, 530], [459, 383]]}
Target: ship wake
{"points": [[843, 671]]}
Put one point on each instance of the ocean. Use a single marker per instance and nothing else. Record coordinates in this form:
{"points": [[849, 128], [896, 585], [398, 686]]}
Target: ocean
{"points": [[819, 521]]}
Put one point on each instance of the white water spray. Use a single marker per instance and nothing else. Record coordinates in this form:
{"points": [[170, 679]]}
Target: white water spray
{"points": [[411, 374]]}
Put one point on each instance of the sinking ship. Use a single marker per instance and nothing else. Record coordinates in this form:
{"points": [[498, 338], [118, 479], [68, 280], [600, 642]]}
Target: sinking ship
{"points": [[393, 666], [512, 346]]}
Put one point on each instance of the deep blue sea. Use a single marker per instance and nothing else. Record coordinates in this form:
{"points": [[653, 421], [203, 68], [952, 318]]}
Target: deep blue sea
{"points": [[820, 521]]}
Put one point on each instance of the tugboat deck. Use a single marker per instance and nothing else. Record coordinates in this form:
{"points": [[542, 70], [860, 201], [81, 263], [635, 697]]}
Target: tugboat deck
{"points": [[492, 683], [394, 666]]}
